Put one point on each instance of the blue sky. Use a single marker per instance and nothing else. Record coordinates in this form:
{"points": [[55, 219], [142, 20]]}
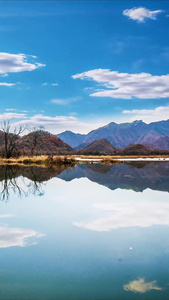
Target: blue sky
{"points": [[78, 65]]}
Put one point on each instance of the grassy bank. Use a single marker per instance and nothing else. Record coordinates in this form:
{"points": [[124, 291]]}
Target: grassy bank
{"points": [[42, 160], [70, 160]]}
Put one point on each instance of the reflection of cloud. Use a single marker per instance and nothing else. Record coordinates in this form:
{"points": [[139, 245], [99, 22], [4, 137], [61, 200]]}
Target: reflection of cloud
{"points": [[141, 286], [6, 216], [128, 213], [10, 237]]}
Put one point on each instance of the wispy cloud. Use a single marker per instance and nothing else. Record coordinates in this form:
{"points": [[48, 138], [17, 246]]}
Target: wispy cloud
{"points": [[55, 124], [67, 101], [127, 86], [148, 115], [53, 84], [16, 63], [11, 116], [60, 101], [4, 75], [140, 14], [7, 84], [10, 109]]}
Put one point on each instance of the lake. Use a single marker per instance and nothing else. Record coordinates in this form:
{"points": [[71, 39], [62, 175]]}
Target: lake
{"points": [[89, 232]]}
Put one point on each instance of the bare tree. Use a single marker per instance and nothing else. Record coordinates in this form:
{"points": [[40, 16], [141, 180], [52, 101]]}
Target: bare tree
{"points": [[11, 138]]}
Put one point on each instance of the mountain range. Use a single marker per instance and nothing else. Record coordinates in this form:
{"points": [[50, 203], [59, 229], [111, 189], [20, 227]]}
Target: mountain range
{"points": [[136, 138], [154, 135]]}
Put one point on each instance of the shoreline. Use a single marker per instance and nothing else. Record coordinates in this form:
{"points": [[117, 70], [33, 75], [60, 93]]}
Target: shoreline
{"points": [[71, 160]]}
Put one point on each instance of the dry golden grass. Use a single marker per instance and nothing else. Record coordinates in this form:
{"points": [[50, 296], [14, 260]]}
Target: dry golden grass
{"points": [[44, 160]]}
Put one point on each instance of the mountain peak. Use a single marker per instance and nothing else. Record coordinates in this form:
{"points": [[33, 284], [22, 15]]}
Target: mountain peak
{"points": [[137, 122]]}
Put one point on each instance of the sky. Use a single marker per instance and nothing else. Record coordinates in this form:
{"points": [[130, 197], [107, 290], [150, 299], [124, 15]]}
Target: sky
{"points": [[79, 65]]}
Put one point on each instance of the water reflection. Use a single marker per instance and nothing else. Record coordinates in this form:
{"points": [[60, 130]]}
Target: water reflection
{"points": [[129, 212], [12, 179], [131, 176], [103, 239], [142, 286], [10, 237], [136, 176]]}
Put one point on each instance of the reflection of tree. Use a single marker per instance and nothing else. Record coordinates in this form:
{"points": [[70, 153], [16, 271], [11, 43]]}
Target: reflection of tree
{"points": [[9, 182], [35, 186], [13, 177], [13, 182], [8, 185]]}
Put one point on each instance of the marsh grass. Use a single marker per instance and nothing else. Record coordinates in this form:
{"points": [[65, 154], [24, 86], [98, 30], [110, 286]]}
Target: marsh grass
{"points": [[42, 160], [69, 160]]}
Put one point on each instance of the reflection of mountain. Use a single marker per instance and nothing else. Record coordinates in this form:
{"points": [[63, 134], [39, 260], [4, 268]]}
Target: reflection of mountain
{"points": [[137, 176]]}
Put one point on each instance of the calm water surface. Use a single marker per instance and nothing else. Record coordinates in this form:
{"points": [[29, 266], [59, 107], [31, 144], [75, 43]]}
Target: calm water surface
{"points": [[88, 232]]}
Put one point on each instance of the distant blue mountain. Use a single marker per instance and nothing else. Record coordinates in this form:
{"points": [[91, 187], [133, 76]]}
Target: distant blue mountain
{"points": [[155, 135]]}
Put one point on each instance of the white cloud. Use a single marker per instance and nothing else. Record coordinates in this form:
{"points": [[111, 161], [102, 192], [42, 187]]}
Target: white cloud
{"points": [[127, 86], [7, 84], [148, 115], [59, 101], [14, 109], [33, 56], [10, 109], [129, 212], [140, 14], [10, 237], [11, 116], [53, 84], [55, 124], [141, 286], [4, 75], [16, 63]]}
